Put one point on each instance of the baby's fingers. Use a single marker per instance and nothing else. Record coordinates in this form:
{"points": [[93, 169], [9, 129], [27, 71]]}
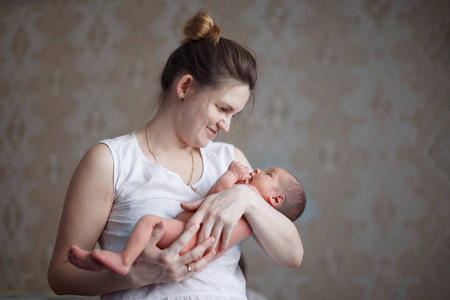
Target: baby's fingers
{"points": [[247, 178]]}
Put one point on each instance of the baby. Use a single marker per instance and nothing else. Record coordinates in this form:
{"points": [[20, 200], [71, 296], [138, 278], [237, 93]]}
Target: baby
{"points": [[277, 186]]}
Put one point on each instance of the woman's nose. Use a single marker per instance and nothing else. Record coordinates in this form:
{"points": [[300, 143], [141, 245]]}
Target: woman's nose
{"points": [[224, 125]]}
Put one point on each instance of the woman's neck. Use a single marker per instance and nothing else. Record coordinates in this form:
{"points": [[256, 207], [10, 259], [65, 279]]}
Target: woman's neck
{"points": [[163, 138], [166, 148]]}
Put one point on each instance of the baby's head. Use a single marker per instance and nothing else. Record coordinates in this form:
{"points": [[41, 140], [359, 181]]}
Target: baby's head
{"points": [[281, 190]]}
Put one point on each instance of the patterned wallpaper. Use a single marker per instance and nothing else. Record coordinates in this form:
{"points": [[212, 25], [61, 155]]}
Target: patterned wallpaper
{"points": [[353, 98]]}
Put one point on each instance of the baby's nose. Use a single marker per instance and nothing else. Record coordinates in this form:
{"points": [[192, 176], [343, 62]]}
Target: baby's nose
{"points": [[257, 171]]}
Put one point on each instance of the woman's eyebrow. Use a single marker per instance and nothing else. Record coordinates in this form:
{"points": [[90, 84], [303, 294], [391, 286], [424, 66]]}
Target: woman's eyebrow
{"points": [[228, 106]]}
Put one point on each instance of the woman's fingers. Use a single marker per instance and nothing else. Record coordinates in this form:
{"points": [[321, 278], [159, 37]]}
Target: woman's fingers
{"points": [[191, 206], [218, 215], [198, 265], [180, 242], [226, 236], [194, 261], [198, 216], [205, 231], [216, 233], [157, 234], [197, 253], [175, 268]]}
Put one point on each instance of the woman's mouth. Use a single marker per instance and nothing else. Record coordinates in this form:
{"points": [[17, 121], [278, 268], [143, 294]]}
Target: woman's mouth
{"points": [[211, 132]]}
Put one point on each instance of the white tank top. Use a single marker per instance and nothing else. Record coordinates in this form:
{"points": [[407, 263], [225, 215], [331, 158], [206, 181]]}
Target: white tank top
{"points": [[142, 187]]}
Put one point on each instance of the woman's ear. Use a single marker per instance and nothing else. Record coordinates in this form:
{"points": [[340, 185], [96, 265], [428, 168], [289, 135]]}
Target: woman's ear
{"points": [[275, 201], [183, 85]]}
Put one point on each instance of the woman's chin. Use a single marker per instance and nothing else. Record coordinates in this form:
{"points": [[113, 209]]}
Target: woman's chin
{"points": [[203, 144]]}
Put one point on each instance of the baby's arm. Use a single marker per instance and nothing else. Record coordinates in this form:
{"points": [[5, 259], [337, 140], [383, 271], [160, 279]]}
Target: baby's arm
{"points": [[236, 173]]}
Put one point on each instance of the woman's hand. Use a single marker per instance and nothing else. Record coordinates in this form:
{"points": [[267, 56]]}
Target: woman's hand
{"points": [[162, 266], [219, 213]]}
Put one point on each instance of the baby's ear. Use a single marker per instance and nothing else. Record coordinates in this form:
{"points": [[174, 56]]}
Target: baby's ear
{"points": [[275, 201]]}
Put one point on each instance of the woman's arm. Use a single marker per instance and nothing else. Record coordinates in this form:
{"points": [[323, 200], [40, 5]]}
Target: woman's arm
{"points": [[86, 210], [276, 234], [271, 229]]}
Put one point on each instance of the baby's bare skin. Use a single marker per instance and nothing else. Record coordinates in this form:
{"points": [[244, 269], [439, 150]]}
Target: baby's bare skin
{"points": [[83, 259]]}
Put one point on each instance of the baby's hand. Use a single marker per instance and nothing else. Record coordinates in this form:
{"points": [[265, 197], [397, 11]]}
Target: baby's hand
{"points": [[242, 172]]}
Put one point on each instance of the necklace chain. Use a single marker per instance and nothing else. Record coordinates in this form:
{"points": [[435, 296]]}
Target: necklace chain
{"points": [[192, 158], [148, 146]]}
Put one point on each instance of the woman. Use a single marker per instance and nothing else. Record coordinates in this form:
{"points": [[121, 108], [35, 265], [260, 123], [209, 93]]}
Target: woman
{"points": [[172, 161]]}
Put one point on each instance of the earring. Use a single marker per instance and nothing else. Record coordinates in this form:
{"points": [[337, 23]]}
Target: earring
{"points": [[181, 99]]}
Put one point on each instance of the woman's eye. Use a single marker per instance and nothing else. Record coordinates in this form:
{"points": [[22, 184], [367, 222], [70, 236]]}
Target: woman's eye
{"points": [[220, 108]]}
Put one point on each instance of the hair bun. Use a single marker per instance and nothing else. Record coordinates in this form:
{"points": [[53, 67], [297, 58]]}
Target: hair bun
{"points": [[201, 26]]}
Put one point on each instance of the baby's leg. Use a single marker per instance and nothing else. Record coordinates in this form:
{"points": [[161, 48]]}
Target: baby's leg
{"points": [[138, 240], [82, 259], [140, 236]]}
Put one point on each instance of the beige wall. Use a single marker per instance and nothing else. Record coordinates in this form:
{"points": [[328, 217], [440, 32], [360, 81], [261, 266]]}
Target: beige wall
{"points": [[353, 98]]}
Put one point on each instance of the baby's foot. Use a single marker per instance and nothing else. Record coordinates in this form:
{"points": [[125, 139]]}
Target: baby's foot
{"points": [[114, 261], [82, 259]]}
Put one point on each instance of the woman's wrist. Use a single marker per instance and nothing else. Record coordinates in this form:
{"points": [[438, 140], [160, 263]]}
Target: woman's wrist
{"points": [[130, 280], [249, 196], [135, 279]]}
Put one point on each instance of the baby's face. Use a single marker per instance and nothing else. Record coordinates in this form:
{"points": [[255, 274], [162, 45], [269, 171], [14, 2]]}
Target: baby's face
{"points": [[267, 181]]}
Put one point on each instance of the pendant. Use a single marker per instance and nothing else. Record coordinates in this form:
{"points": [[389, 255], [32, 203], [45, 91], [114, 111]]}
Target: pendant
{"points": [[194, 189]]}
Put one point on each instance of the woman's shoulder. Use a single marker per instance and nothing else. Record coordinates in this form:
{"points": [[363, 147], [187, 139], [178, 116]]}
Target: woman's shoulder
{"points": [[98, 157], [120, 140], [118, 147]]}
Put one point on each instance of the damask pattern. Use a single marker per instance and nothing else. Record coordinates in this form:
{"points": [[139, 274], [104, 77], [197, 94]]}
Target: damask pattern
{"points": [[353, 98]]}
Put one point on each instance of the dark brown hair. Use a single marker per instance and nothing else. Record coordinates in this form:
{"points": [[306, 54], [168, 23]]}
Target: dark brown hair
{"points": [[211, 60], [294, 202]]}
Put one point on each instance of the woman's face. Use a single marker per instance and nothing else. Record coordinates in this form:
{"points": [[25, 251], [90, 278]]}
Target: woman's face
{"points": [[207, 113]]}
